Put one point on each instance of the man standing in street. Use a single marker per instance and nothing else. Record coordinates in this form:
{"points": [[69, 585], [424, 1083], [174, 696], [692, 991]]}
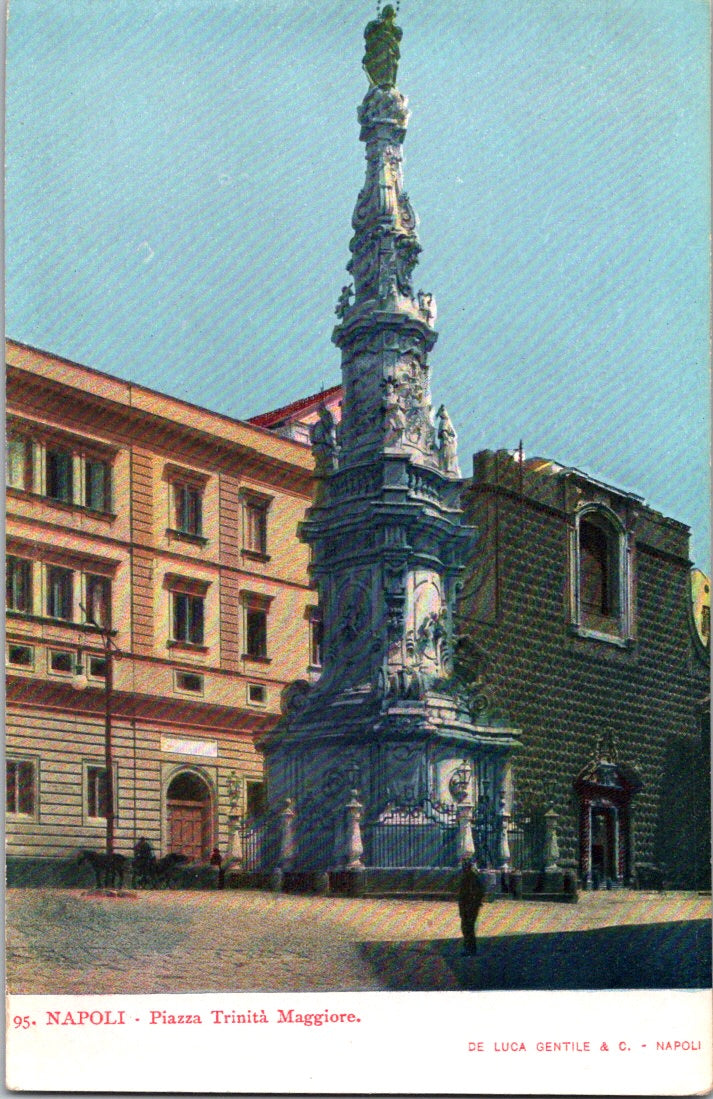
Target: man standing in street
{"points": [[470, 897]]}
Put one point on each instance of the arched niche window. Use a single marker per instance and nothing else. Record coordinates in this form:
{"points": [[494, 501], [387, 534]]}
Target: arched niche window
{"points": [[600, 575]]}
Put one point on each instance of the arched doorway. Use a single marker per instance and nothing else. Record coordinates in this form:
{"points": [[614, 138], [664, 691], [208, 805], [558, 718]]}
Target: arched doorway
{"points": [[188, 804], [606, 843]]}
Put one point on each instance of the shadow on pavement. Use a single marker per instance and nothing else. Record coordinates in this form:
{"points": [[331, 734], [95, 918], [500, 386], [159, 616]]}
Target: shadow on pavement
{"points": [[665, 955]]}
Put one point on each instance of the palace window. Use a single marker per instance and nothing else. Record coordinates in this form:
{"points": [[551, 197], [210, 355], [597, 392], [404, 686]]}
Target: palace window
{"points": [[20, 656], [18, 584], [97, 667], [255, 612], [257, 694], [59, 593], [188, 509], [256, 528], [61, 660], [62, 470], [59, 475], [188, 618], [187, 595], [97, 485], [255, 512], [186, 489], [97, 594], [256, 633], [19, 463], [97, 794], [597, 565], [20, 784], [189, 681]]}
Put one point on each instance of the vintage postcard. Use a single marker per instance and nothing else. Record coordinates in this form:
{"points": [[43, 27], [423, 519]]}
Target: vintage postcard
{"points": [[357, 567]]}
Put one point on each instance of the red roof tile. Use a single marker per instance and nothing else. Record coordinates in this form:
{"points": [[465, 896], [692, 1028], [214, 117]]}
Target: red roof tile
{"points": [[292, 411]]}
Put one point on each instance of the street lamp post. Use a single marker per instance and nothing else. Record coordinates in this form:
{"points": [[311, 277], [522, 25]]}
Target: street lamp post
{"points": [[79, 682]]}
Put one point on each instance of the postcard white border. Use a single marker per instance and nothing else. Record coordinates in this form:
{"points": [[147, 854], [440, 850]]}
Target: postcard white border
{"points": [[423, 1043]]}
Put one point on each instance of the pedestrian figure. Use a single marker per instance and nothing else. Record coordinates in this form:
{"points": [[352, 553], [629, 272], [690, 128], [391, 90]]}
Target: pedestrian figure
{"points": [[216, 859], [470, 897], [144, 863]]}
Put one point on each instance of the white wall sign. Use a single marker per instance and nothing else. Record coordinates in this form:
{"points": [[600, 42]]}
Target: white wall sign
{"points": [[184, 747]]}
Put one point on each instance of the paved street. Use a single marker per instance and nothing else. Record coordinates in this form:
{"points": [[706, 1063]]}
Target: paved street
{"points": [[70, 941]]}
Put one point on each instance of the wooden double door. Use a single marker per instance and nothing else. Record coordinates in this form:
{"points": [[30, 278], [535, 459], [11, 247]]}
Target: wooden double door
{"points": [[189, 817]]}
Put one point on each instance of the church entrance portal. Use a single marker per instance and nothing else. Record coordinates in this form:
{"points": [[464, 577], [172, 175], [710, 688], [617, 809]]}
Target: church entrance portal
{"points": [[606, 843], [188, 804]]}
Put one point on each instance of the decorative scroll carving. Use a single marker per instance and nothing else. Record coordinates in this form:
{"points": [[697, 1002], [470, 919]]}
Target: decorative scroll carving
{"points": [[406, 254], [408, 218], [294, 696], [364, 265]]}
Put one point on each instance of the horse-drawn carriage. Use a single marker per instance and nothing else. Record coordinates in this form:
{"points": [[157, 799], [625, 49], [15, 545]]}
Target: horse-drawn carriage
{"points": [[108, 869], [148, 872]]}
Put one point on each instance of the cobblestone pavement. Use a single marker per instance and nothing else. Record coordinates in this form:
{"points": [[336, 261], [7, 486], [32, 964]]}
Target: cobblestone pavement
{"points": [[75, 942]]}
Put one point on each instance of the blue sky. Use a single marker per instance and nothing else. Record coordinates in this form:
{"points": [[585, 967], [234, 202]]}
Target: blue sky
{"points": [[181, 176]]}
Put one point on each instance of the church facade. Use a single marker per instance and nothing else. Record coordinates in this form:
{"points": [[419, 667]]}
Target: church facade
{"points": [[576, 617]]}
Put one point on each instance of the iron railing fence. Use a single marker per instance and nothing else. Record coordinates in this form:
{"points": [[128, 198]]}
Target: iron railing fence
{"points": [[526, 839], [424, 834], [260, 838]]}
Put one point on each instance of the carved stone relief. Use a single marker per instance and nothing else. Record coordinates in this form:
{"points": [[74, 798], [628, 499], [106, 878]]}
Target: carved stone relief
{"points": [[394, 571], [407, 406], [407, 251], [383, 105], [353, 608], [428, 623]]}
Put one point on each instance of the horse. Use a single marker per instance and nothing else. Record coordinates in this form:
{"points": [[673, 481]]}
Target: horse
{"points": [[164, 867], [110, 868]]}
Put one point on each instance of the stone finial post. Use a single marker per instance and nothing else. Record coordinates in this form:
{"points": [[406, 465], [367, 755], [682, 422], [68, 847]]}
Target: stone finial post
{"points": [[552, 852], [355, 847], [288, 840], [503, 839], [235, 841], [464, 816]]}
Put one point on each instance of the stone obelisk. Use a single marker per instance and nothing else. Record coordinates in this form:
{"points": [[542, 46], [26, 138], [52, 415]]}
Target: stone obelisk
{"points": [[386, 717]]}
